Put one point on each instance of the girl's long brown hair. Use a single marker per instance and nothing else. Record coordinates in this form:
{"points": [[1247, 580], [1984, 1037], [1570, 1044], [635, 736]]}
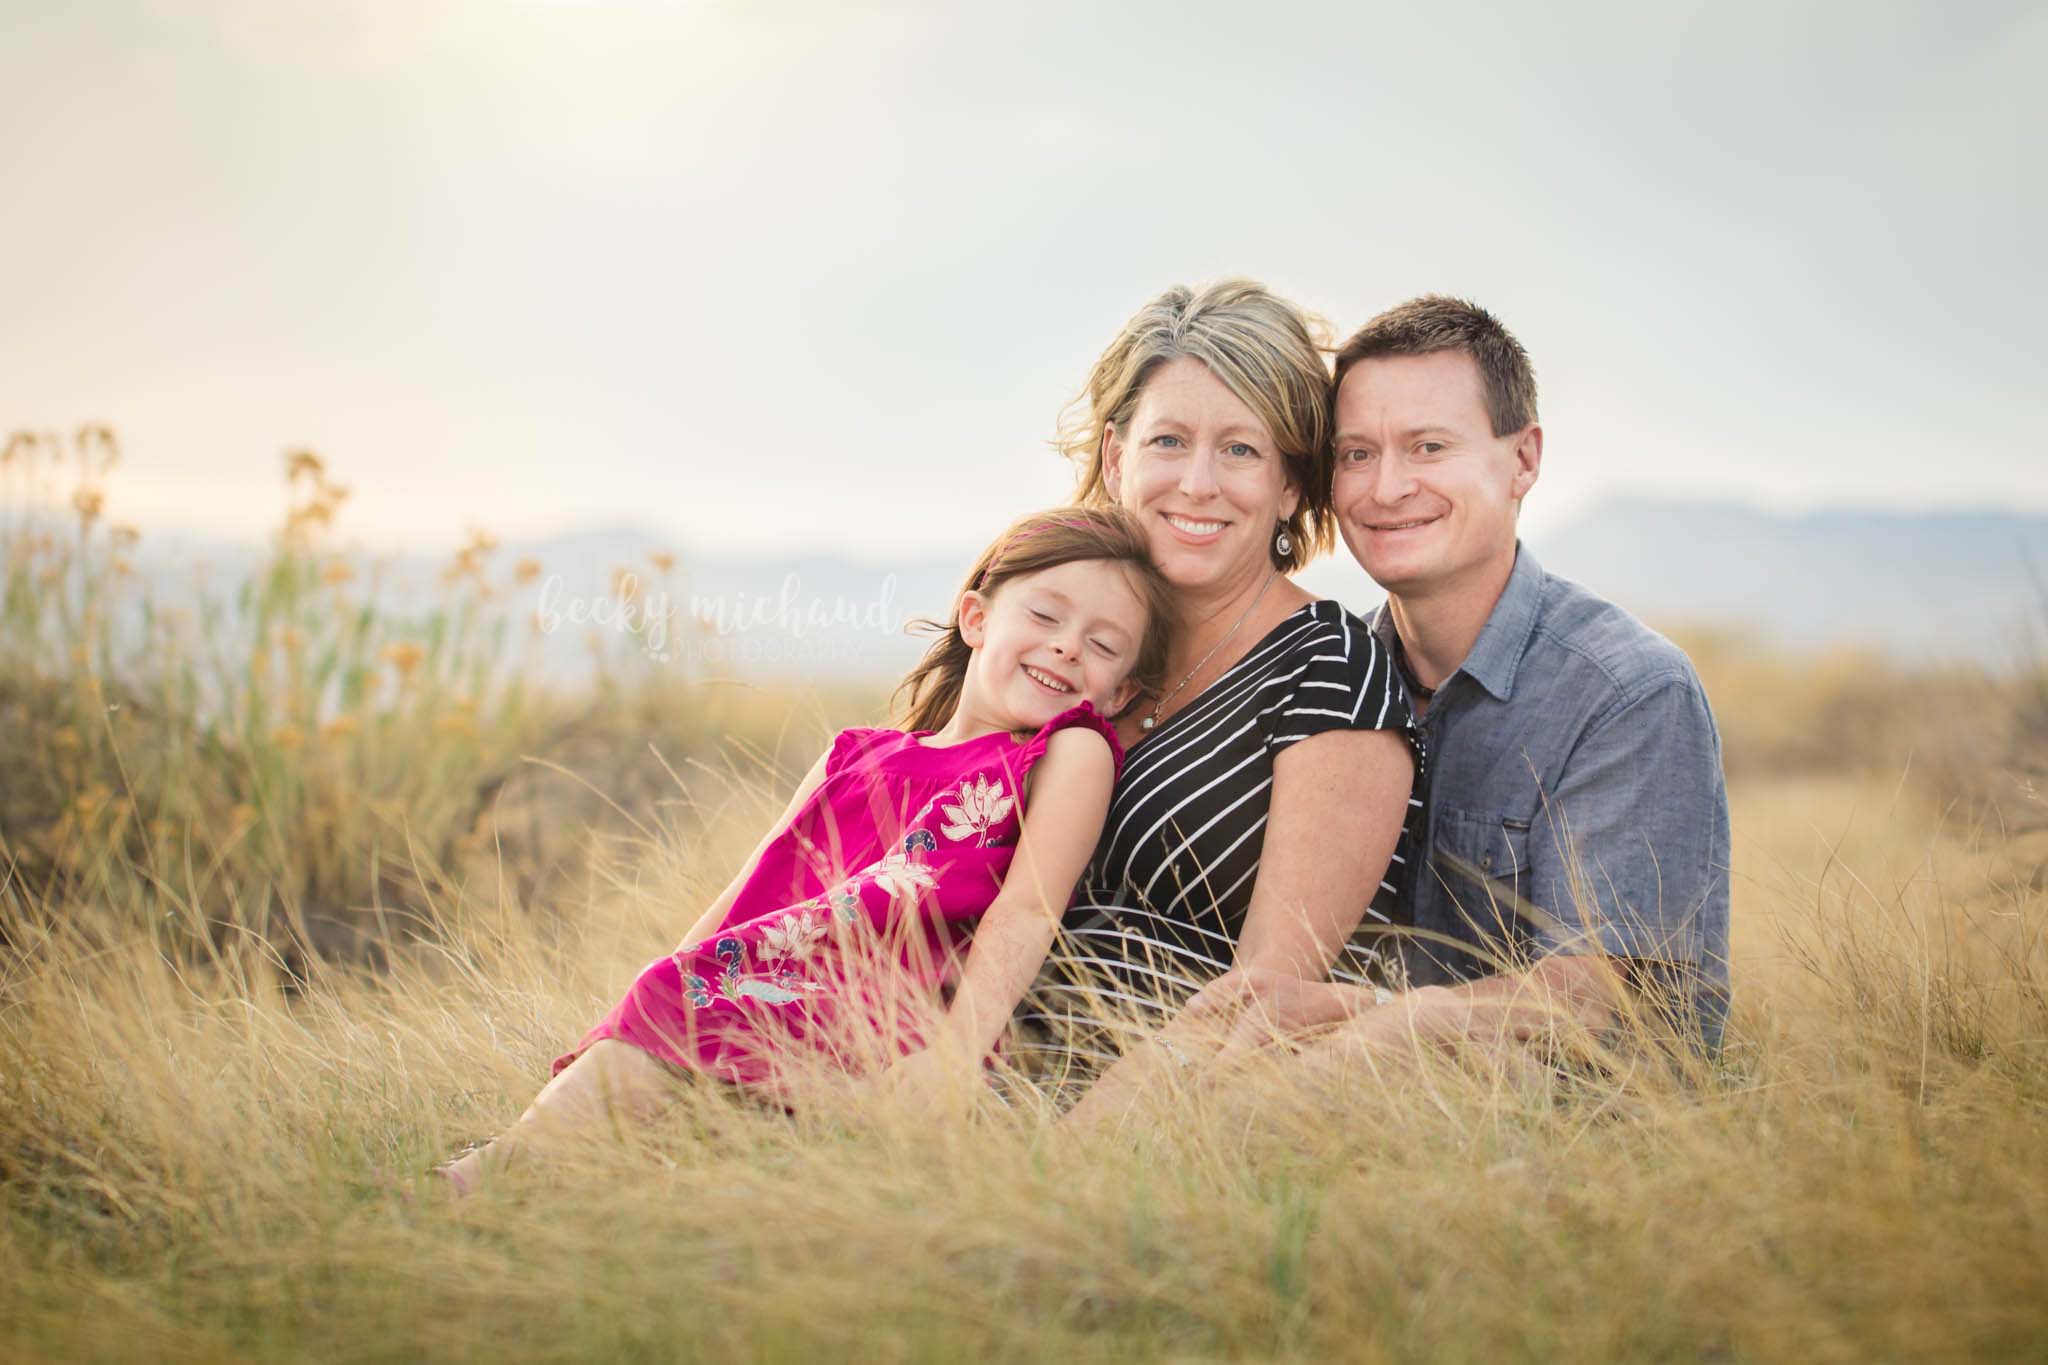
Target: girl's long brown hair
{"points": [[930, 692]]}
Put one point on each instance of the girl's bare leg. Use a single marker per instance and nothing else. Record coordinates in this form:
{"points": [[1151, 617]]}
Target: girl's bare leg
{"points": [[613, 1085]]}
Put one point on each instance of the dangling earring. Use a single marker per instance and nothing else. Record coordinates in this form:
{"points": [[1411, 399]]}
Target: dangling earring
{"points": [[1283, 544]]}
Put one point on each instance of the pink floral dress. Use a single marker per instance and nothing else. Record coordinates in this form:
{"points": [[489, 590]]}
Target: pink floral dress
{"points": [[857, 917]]}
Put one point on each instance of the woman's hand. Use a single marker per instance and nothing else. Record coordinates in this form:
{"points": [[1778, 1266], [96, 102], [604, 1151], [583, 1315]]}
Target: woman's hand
{"points": [[1250, 998]]}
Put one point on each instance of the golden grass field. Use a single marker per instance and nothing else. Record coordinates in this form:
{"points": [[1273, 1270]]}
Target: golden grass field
{"points": [[286, 917]]}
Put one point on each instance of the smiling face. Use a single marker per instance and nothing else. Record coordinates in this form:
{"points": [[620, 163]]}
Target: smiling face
{"points": [[1426, 494], [1049, 640], [1203, 475]]}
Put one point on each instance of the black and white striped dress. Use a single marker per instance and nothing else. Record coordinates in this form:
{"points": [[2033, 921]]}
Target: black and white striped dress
{"points": [[1164, 897]]}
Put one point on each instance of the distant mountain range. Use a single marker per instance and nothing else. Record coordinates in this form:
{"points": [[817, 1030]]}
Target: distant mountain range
{"points": [[1920, 587], [1916, 587]]}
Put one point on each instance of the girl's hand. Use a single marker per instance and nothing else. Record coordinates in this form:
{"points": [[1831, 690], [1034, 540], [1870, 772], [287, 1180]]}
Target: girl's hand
{"points": [[935, 1084]]}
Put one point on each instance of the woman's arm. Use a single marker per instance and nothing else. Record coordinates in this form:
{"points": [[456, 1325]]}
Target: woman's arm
{"points": [[1069, 798], [708, 923], [1338, 802], [1339, 799]]}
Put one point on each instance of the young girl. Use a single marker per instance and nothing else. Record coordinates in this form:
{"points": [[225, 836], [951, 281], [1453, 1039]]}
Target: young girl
{"points": [[850, 920]]}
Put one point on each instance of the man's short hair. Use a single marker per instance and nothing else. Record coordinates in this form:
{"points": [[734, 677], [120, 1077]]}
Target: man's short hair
{"points": [[1437, 322]]}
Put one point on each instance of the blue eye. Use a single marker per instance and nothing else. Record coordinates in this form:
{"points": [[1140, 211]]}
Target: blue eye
{"points": [[1355, 455], [1165, 440], [1240, 450]]}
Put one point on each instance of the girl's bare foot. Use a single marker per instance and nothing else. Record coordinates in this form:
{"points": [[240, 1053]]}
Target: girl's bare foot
{"points": [[610, 1083], [464, 1173]]}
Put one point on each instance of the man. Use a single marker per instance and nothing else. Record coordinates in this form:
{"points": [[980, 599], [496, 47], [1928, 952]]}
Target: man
{"points": [[1577, 821]]}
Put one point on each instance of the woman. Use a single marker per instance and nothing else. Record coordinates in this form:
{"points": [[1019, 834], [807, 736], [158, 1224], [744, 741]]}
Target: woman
{"points": [[1269, 783]]}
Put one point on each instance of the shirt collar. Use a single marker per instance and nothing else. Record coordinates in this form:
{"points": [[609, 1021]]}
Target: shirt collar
{"points": [[1504, 639]]}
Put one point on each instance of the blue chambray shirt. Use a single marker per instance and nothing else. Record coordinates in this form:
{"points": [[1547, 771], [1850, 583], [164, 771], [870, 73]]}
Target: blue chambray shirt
{"points": [[1575, 797]]}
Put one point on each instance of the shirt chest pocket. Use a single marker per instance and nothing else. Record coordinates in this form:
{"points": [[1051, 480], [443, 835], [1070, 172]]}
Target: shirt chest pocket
{"points": [[1482, 861]]}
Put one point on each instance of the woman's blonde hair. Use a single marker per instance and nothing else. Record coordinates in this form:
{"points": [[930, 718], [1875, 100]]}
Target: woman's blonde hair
{"points": [[930, 692], [1265, 350]]}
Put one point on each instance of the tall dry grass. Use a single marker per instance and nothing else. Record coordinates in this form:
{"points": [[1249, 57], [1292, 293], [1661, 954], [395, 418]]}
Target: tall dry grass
{"points": [[215, 1154]]}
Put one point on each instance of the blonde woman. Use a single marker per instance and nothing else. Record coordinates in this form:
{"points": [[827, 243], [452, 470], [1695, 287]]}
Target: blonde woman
{"points": [[1269, 780]]}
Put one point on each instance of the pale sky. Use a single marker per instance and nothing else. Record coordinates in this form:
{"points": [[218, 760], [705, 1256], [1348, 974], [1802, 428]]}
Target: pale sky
{"points": [[814, 276]]}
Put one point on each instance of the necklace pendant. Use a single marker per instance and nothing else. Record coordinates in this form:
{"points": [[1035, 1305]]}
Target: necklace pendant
{"points": [[1149, 722]]}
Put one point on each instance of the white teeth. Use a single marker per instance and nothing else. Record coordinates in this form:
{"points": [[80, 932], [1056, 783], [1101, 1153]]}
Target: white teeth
{"points": [[1404, 525], [1048, 679], [1195, 528]]}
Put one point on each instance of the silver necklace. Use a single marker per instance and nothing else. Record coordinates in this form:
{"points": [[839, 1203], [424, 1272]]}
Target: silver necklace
{"points": [[1153, 719]]}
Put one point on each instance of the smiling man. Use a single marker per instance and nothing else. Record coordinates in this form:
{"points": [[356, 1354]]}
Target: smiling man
{"points": [[1577, 821]]}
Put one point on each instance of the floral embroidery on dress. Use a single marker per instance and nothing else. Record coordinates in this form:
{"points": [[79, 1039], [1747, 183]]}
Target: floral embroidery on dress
{"points": [[902, 878], [777, 986], [981, 807], [794, 936], [978, 807]]}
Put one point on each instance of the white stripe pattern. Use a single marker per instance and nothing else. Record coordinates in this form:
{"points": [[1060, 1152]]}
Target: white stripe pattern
{"points": [[1166, 893]]}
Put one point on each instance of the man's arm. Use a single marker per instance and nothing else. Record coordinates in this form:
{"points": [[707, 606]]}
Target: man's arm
{"points": [[1628, 873], [1582, 990], [1630, 851]]}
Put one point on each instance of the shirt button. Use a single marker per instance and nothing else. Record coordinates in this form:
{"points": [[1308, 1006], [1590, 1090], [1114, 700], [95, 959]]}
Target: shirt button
{"points": [[1486, 863]]}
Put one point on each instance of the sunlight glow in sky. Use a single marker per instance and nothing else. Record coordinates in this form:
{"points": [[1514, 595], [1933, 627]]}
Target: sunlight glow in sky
{"points": [[819, 277]]}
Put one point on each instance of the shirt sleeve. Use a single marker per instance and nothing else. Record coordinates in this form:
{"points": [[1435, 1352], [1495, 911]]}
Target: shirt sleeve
{"points": [[1083, 717], [1340, 678], [849, 744], [1630, 851]]}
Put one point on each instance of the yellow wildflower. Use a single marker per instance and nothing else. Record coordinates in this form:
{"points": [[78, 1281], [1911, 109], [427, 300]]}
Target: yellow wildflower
{"points": [[458, 720], [89, 502], [525, 571], [303, 463], [101, 435], [337, 572], [288, 738], [404, 656], [341, 727], [662, 560]]}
